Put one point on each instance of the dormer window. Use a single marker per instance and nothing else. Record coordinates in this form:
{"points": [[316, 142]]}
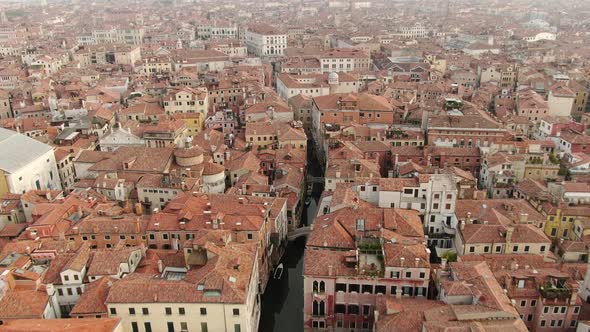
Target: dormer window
{"points": [[360, 225]]}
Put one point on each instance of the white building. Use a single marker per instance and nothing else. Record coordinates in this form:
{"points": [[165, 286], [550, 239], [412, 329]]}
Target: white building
{"points": [[433, 195], [265, 41], [315, 85], [26, 164], [561, 100], [214, 298], [119, 137], [413, 31], [540, 36]]}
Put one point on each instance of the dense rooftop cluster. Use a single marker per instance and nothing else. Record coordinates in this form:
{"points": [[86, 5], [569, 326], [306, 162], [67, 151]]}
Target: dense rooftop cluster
{"points": [[156, 158]]}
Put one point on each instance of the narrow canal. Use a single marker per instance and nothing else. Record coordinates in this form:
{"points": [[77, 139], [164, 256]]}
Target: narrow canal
{"points": [[282, 302]]}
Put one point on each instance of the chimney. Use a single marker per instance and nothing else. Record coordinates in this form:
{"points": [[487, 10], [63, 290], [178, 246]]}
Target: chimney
{"points": [[462, 226], [137, 226], [138, 209], [416, 261], [330, 270], [182, 225], [523, 217], [509, 231], [160, 266], [402, 261]]}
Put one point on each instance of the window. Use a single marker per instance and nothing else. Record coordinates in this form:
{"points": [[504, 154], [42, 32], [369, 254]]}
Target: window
{"points": [[76, 277], [61, 292], [393, 290], [573, 323], [340, 308], [69, 291], [366, 310], [183, 326], [250, 236], [576, 310], [395, 274], [498, 248], [523, 303], [380, 289], [529, 317], [527, 248], [422, 275], [353, 288], [145, 311], [168, 311], [368, 289], [236, 311], [237, 328], [107, 237], [555, 310], [66, 278], [203, 311], [340, 287], [546, 310], [408, 274], [204, 327], [543, 323], [170, 326], [563, 309], [181, 311], [113, 311], [353, 309], [471, 249], [533, 303], [148, 327]]}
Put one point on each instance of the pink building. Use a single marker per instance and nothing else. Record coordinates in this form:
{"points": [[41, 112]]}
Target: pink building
{"points": [[356, 256]]}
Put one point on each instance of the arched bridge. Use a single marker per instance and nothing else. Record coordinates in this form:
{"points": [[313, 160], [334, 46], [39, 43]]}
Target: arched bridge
{"points": [[299, 232], [314, 179]]}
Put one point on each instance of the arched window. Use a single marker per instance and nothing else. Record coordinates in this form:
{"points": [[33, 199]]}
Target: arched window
{"points": [[315, 287], [315, 308], [322, 287], [322, 308]]}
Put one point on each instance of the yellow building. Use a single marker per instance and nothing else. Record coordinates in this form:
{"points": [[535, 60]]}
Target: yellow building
{"points": [[193, 122], [561, 220], [541, 171], [437, 63], [3, 184]]}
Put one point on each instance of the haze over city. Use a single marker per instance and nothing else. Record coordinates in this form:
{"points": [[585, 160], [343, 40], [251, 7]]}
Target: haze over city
{"points": [[294, 165]]}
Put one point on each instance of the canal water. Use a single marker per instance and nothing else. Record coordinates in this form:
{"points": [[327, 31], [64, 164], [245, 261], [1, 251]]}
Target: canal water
{"points": [[282, 302]]}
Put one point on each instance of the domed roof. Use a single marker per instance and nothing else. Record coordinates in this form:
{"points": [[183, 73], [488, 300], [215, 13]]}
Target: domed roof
{"points": [[212, 168], [195, 151], [333, 76]]}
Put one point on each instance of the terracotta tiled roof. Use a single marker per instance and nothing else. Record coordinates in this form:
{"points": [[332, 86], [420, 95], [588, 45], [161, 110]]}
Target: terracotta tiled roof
{"points": [[18, 304], [92, 301], [62, 325]]}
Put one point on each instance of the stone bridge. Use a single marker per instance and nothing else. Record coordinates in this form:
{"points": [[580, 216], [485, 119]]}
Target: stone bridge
{"points": [[299, 232], [314, 179]]}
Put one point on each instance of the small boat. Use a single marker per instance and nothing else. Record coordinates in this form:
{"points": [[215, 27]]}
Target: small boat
{"points": [[279, 271]]}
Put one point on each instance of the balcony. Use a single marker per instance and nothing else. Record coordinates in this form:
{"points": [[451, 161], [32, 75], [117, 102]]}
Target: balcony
{"points": [[371, 260], [449, 230], [551, 292]]}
